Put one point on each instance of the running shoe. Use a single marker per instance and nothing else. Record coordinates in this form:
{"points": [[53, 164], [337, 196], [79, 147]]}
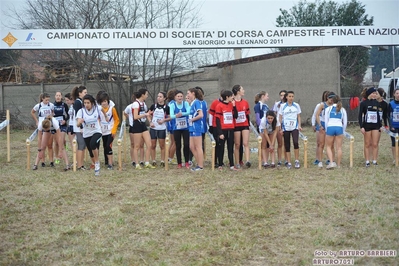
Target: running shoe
{"points": [[297, 165], [110, 167], [233, 168], [57, 161], [142, 164], [279, 164], [197, 168], [149, 166], [330, 167], [187, 165], [266, 165], [34, 167], [162, 164], [317, 162], [327, 162], [154, 163], [288, 165], [179, 166], [367, 164], [272, 165], [51, 164], [320, 165], [138, 167], [43, 165], [248, 164]]}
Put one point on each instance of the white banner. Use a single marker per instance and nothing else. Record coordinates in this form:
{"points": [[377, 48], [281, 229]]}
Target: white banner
{"points": [[198, 38]]}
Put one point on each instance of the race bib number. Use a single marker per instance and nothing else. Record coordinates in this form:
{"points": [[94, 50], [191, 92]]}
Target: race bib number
{"points": [[143, 118], [157, 116], [46, 112], [289, 124], [241, 117], [228, 118], [181, 123], [395, 116], [190, 123], [105, 126], [372, 117], [59, 118], [91, 125]]}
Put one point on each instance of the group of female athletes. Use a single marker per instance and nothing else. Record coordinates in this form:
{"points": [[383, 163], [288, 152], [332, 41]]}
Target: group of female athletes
{"points": [[330, 120], [89, 119], [186, 118]]}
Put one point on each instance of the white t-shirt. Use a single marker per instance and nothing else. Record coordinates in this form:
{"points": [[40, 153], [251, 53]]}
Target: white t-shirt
{"points": [[106, 127], [91, 124], [129, 112], [43, 110], [142, 109], [54, 124], [290, 116], [264, 125]]}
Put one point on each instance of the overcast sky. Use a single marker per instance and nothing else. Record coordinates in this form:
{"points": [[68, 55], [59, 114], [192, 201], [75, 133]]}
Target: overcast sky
{"points": [[263, 13], [217, 14]]}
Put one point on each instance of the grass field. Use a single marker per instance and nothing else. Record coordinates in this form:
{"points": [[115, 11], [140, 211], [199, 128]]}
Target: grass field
{"points": [[176, 217]]}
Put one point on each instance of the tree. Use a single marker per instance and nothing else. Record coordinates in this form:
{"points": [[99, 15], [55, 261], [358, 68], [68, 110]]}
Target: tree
{"points": [[9, 57], [382, 59], [353, 60]]}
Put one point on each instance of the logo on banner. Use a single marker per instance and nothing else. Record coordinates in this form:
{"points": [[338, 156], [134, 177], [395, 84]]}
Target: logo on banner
{"points": [[10, 39], [29, 38]]}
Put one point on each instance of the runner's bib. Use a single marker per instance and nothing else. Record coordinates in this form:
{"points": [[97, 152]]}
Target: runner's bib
{"points": [[190, 123], [395, 116], [181, 123], [289, 124], [241, 117], [372, 117], [228, 118]]}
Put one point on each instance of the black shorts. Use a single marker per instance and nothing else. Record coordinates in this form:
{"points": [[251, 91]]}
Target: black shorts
{"points": [[370, 129], [138, 127], [241, 128], [63, 128], [157, 134], [70, 130]]}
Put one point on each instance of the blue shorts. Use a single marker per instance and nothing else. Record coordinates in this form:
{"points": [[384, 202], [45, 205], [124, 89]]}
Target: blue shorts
{"points": [[334, 131], [317, 127], [195, 134]]}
